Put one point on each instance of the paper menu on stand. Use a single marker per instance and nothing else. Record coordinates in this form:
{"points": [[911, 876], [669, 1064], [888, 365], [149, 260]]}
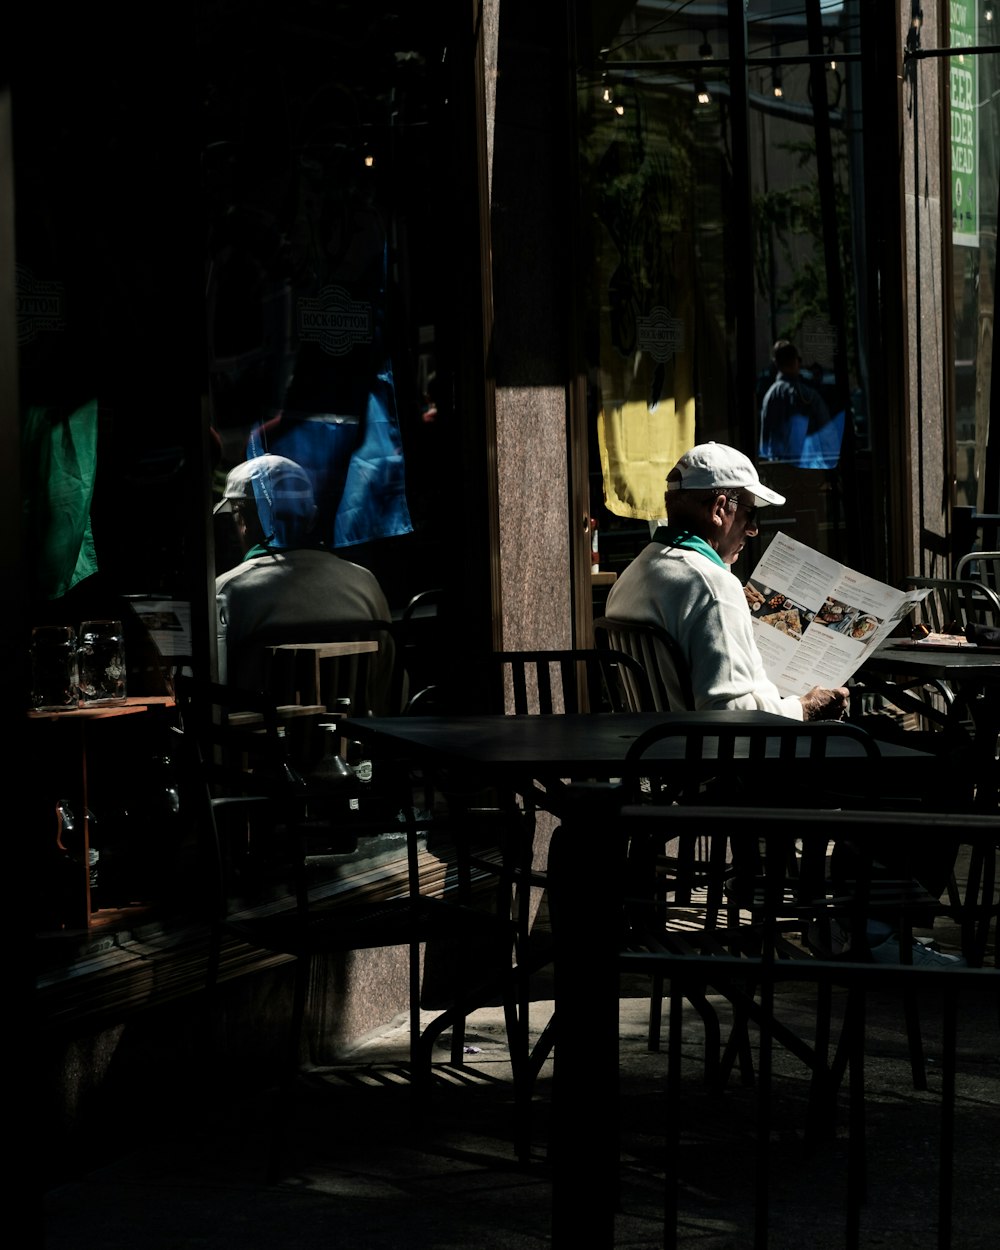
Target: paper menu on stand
{"points": [[815, 620], [168, 622]]}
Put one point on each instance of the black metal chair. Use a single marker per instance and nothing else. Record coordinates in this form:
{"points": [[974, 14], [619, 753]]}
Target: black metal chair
{"points": [[820, 898], [954, 603], [527, 683], [422, 648], [742, 766], [982, 567]]}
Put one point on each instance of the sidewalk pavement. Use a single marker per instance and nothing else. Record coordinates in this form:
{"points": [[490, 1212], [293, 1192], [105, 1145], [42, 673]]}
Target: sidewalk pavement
{"points": [[359, 1176]]}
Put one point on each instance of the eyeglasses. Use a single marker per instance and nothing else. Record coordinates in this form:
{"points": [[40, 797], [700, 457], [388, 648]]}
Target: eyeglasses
{"points": [[750, 507]]}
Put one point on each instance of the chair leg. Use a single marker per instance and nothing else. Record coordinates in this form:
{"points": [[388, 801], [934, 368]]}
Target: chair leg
{"points": [[709, 1019], [525, 1072], [671, 1211], [947, 1178], [282, 1107], [762, 1163], [977, 911], [655, 1013], [820, 1112], [914, 1040], [458, 1036], [857, 1160], [737, 1049]]}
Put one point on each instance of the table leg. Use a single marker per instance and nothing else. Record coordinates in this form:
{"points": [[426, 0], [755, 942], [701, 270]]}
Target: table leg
{"points": [[585, 1154]]}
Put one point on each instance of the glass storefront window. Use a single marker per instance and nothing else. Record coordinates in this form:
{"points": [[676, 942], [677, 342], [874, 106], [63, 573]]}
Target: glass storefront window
{"points": [[723, 207], [807, 206], [654, 138]]}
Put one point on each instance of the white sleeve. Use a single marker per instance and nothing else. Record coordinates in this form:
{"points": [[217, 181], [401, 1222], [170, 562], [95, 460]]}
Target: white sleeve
{"points": [[726, 667]]}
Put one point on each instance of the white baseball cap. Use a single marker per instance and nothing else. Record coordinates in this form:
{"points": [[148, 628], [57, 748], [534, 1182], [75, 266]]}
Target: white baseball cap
{"points": [[714, 466]]}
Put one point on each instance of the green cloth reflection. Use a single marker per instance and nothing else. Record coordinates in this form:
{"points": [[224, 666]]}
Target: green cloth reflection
{"points": [[58, 466]]}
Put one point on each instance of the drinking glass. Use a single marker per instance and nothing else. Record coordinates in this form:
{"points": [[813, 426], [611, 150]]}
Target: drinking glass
{"points": [[102, 663], [54, 676]]}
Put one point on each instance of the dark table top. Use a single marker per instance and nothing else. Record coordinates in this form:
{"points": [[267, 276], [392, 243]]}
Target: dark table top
{"points": [[575, 745], [962, 664]]}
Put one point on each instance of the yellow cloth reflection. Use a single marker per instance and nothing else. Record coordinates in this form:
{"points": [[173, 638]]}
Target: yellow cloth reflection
{"points": [[639, 446]]}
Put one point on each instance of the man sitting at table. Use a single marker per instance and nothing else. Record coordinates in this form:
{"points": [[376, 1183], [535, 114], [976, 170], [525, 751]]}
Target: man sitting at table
{"points": [[287, 579], [683, 582]]}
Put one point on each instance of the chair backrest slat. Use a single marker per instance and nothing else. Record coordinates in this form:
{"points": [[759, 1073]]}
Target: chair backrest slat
{"points": [[740, 748], [662, 660], [553, 682]]}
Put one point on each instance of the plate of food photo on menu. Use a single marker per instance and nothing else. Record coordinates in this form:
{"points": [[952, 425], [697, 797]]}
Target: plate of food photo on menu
{"points": [[756, 596], [787, 619], [863, 626], [832, 613]]}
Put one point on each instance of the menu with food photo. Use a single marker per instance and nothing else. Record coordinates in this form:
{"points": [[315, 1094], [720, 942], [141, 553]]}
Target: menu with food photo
{"points": [[814, 619]]}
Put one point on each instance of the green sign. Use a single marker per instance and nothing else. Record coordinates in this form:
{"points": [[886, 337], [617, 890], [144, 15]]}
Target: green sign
{"points": [[964, 30]]}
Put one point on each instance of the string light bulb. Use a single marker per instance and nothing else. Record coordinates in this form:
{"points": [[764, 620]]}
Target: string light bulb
{"points": [[701, 93], [777, 87]]}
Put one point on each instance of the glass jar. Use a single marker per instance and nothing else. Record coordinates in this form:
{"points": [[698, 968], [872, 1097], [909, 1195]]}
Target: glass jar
{"points": [[54, 672]]}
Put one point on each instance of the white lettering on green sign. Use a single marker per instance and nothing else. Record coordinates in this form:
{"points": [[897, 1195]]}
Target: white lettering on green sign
{"points": [[964, 95]]}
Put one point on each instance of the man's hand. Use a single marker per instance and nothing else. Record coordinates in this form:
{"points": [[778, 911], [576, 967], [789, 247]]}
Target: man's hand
{"points": [[820, 704]]}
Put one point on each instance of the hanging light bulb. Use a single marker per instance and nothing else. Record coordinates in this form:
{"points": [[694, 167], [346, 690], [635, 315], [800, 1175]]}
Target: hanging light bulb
{"points": [[988, 10], [620, 110], [776, 84], [369, 160], [701, 93], [607, 95]]}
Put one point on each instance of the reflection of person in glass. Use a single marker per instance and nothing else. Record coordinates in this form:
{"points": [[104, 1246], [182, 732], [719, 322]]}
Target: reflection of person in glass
{"points": [[793, 414], [287, 579]]}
